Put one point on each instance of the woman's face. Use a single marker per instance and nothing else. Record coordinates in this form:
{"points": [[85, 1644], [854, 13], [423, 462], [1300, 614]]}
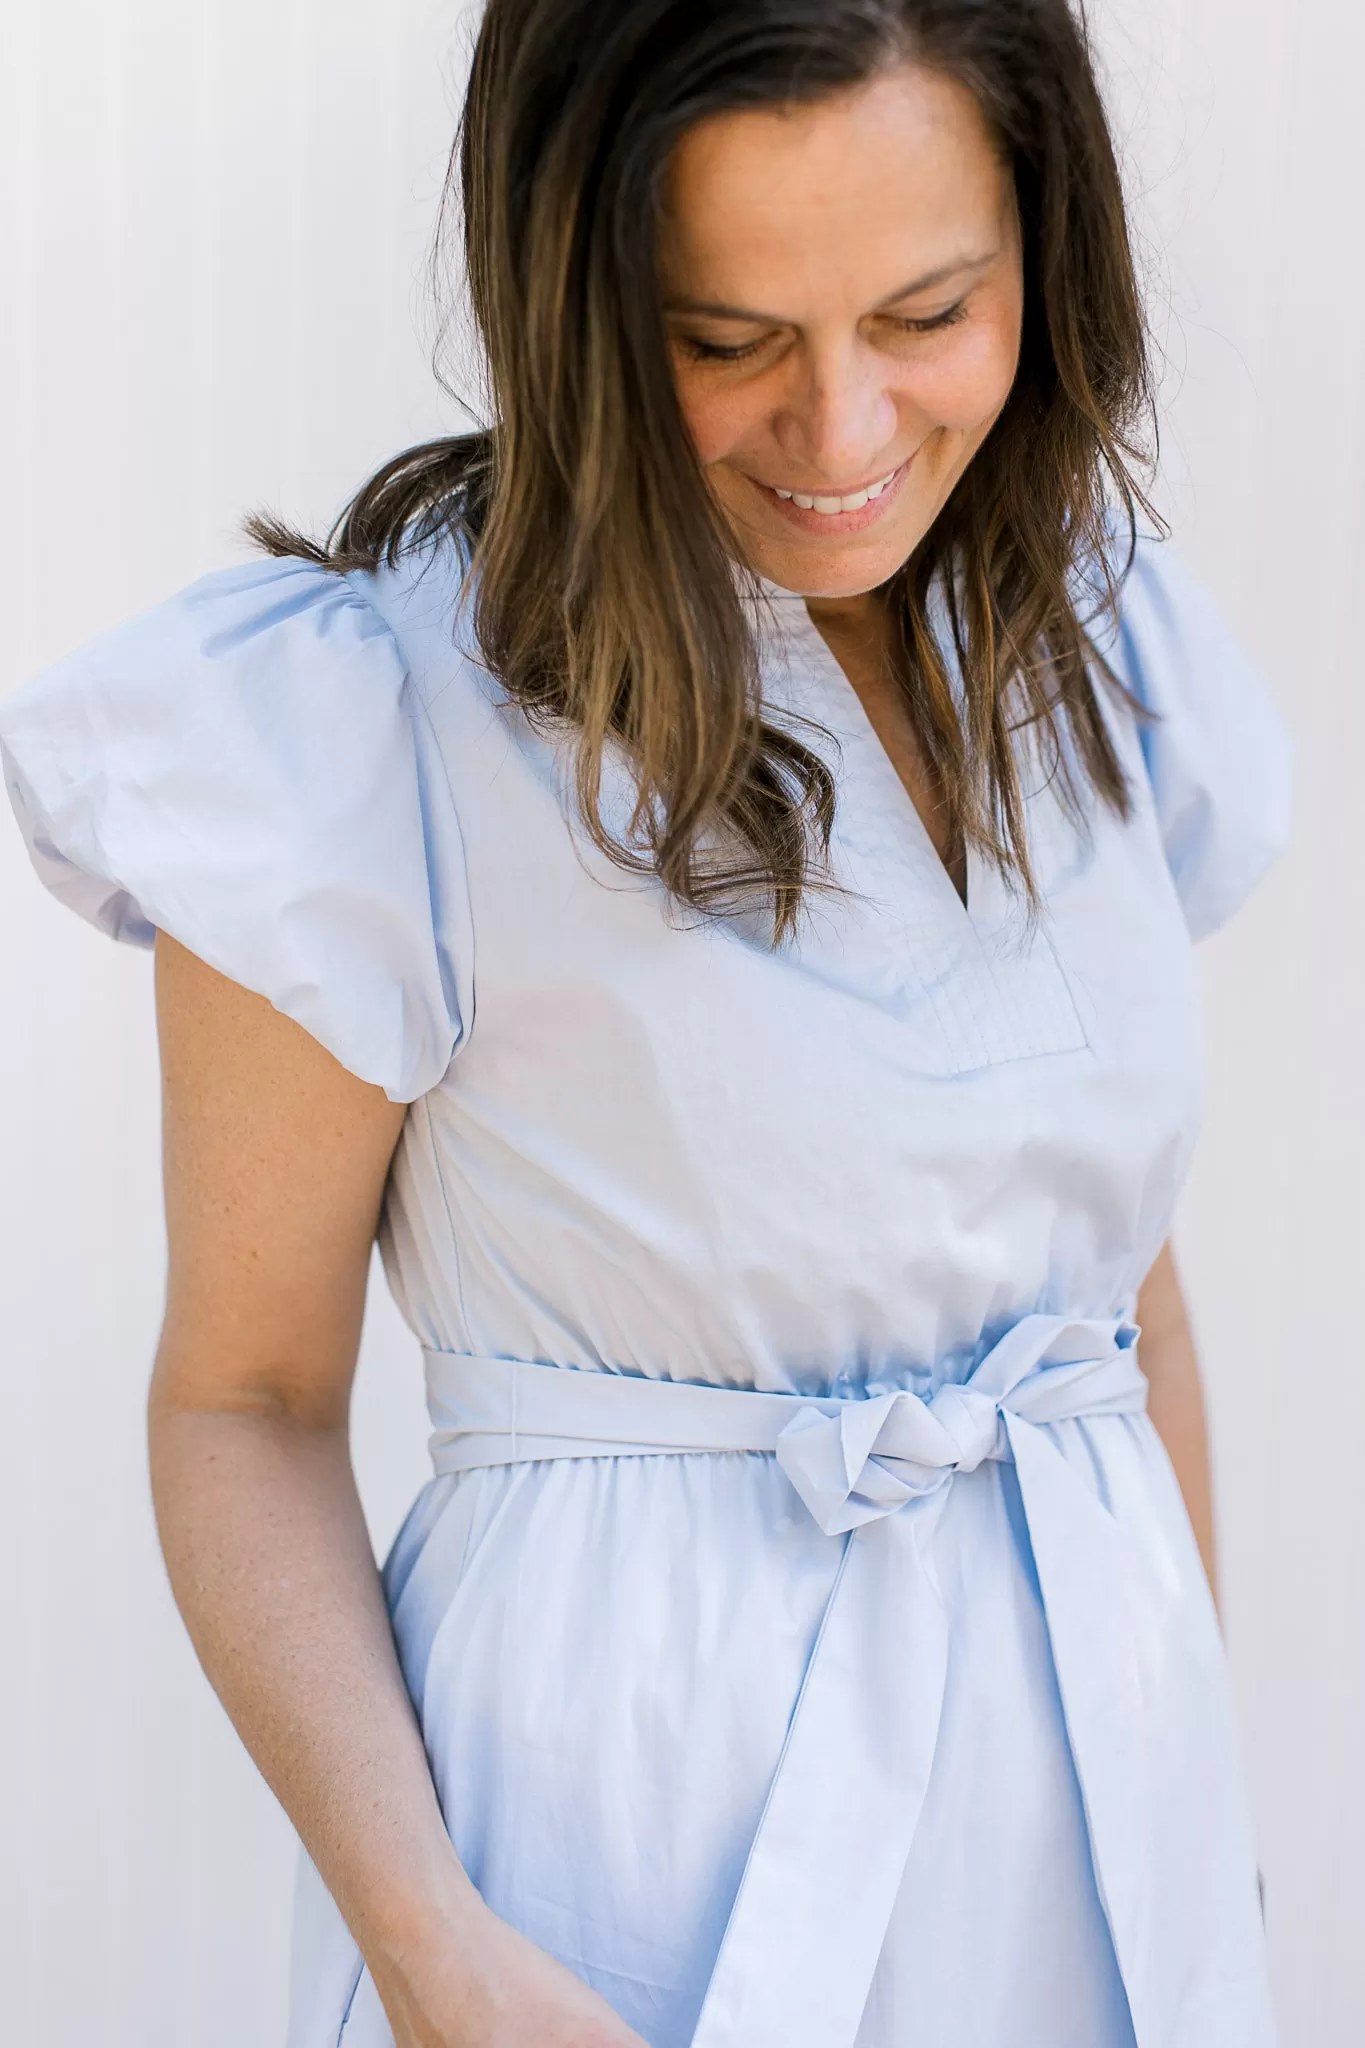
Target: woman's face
{"points": [[843, 290]]}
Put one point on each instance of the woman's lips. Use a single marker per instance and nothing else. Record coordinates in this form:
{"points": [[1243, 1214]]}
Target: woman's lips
{"points": [[835, 524]]}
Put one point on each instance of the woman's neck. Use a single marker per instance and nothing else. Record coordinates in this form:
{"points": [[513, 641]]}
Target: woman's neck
{"points": [[857, 632]]}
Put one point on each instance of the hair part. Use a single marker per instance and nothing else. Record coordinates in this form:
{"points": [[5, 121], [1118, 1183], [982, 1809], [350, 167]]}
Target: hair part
{"points": [[605, 596]]}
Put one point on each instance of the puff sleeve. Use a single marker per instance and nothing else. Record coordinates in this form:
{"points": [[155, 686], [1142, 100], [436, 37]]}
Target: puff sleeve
{"points": [[241, 769], [1217, 755]]}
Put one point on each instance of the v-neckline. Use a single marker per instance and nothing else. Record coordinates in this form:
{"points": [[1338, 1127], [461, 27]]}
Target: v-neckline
{"points": [[879, 763], [970, 984]]}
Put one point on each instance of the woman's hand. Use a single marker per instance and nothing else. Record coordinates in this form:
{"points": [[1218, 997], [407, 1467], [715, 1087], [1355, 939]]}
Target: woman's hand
{"points": [[488, 1987]]}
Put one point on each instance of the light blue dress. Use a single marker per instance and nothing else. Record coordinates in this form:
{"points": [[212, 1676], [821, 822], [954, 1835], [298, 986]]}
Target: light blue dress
{"points": [[808, 1637]]}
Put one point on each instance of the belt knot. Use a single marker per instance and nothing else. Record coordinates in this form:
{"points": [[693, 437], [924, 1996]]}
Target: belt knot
{"points": [[972, 1421], [871, 1457], [855, 1461]]}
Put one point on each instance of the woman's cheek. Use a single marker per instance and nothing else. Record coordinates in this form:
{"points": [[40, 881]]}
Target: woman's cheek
{"points": [[717, 421], [966, 388]]}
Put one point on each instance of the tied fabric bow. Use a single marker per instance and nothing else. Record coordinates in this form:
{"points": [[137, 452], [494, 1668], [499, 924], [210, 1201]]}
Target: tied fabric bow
{"points": [[875, 1456], [872, 1457], [878, 1470]]}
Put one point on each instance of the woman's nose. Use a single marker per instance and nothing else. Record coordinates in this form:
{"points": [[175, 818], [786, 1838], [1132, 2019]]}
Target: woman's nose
{"points": [[841, 419]]}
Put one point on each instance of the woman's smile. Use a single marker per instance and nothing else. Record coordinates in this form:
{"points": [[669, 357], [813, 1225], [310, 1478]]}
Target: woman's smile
{"points": [[826, 511]]}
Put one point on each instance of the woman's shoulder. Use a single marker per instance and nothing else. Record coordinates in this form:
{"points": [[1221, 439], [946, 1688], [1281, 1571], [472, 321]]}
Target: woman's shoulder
{"points": [[242, 767], [1214, 746], [271, 638], [1210, 740], [424, 596]]}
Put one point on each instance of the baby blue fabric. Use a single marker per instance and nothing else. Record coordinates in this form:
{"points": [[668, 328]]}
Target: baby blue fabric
{"points": [[981, 1772], [238, 768], [1211, 754]]}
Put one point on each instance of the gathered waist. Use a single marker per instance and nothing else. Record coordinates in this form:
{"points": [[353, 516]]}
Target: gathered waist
{"points": [[852, 1460]]}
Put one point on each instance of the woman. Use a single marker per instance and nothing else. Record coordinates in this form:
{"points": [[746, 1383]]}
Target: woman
{"points": [[730, 836]]}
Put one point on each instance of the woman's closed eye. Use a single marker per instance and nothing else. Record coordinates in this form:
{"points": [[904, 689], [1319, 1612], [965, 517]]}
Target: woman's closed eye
{"points": [[701, 348], [932, 323]]}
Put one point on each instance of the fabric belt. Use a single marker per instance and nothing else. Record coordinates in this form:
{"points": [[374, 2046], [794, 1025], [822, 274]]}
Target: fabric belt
{"points": [[827, 1860]]}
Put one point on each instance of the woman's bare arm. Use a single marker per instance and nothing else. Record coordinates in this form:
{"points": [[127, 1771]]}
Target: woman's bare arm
{"points": [[1176, 1398], [275, 1164]]}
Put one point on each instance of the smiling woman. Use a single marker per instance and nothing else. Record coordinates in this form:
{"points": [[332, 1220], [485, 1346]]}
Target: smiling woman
{"points": [[805, 160], [706, 868], [833, 433]]}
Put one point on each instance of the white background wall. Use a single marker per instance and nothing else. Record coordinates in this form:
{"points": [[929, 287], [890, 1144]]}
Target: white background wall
{"points": [[214, 220]]}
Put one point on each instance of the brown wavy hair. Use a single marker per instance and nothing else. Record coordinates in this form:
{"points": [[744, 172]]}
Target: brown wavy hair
{"points": [[605, 598]]}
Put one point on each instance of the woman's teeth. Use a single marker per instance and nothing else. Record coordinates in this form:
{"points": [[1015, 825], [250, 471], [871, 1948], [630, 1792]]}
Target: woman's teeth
{"points": [[853, 503]]}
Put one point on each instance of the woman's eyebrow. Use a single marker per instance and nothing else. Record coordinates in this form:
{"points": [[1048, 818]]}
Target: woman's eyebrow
{"points": [[959, 267]]}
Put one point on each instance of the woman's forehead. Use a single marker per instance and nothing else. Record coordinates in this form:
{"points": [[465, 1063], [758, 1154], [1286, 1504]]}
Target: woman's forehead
{"points": [[874, 189]]}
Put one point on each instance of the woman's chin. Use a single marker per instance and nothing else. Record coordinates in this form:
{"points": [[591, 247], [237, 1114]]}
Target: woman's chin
{"points": [[831, 568]]}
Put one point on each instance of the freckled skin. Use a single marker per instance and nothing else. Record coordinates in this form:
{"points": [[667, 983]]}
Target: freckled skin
{"points": [[813, 218]]}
